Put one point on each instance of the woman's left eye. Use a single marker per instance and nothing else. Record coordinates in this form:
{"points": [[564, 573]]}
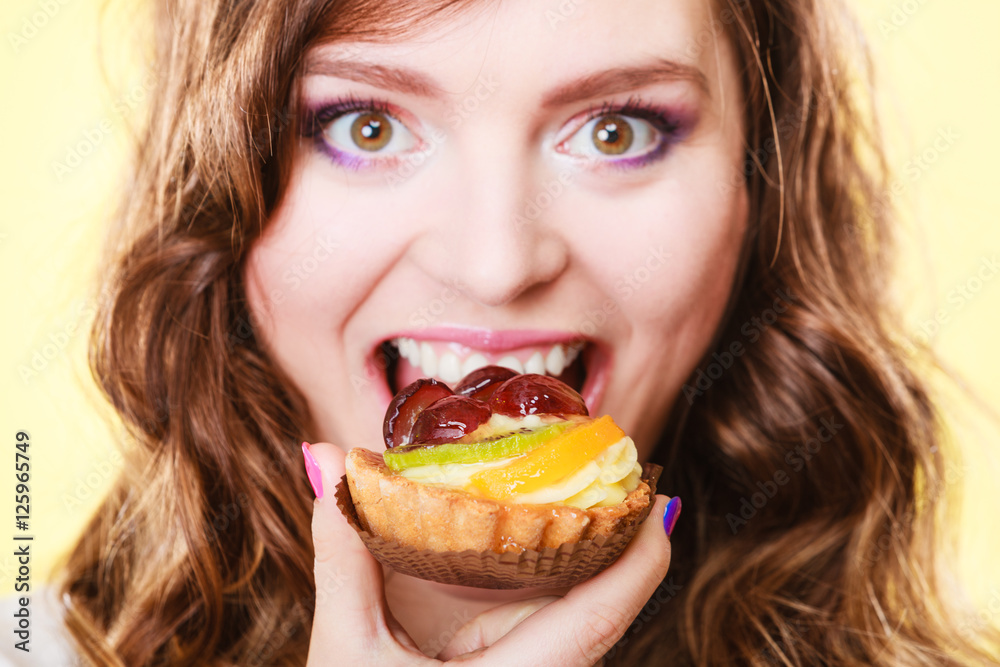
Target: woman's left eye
{"points": [[614, 137], [368, 133]]}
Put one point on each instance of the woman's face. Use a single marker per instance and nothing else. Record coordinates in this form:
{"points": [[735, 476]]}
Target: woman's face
{"points": [[522, 184]]}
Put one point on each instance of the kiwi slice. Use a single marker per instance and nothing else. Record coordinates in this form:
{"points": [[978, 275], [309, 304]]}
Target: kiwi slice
{"points": [[519, 442]]}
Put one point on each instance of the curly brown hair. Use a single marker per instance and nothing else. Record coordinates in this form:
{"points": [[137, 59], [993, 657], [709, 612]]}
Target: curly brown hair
{"points": [[805, 446]]}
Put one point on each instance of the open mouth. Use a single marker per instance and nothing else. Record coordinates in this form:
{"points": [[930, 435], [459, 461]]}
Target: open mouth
{"points": [[577, 362]]}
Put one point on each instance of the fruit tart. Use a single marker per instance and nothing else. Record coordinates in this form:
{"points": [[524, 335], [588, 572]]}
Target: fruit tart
{"points": [[504, 482]]}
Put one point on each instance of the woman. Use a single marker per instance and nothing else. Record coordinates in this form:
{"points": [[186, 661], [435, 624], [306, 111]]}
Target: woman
{"points": [[682, 193]]}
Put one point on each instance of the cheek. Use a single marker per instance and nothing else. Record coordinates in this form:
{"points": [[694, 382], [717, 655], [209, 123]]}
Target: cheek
{"points": [[672, 294], [673, 254], [299, 286], [289, 273], [706, 238], [312, 265]]}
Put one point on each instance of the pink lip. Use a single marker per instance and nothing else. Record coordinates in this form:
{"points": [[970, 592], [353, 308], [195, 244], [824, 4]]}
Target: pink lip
{"points": [[491, 340], [598, 356]]}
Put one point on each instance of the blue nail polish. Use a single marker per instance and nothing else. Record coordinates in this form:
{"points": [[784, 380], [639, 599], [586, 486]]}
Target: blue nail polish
{"points": [[670, 515]]}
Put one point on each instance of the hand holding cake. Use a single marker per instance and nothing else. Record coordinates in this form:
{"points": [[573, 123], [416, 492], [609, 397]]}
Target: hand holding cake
{"points": [[354, 623]]}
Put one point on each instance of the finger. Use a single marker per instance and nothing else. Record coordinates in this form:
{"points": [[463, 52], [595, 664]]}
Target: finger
{"points": [[350, 597], [491, 625], [581, 627]]}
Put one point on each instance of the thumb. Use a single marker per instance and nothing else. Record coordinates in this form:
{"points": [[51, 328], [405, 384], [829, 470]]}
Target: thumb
{"points": [[350, 596]]}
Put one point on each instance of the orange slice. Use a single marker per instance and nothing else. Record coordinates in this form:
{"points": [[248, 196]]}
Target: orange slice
{"points": [[550, 462]]}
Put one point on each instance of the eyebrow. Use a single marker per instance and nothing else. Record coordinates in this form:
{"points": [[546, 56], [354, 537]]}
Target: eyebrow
{"points": [[624, 79], [606, 82], [398, 79]]}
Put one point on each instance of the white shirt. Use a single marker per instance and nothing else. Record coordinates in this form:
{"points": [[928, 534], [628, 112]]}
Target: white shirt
{"points": [[49, 642]]}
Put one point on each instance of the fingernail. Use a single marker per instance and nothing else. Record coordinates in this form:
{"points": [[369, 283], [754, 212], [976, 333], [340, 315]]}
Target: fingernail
{"points": [[670, 515], [312, 470]]}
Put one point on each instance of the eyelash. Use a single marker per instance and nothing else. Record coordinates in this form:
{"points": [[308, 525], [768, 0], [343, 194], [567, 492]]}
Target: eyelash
{"points": [[316, 122], [637, 107], [662, 120]]}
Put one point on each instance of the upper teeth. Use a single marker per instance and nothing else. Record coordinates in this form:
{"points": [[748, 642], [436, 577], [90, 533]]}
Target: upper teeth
{"points": [[451, 366]]}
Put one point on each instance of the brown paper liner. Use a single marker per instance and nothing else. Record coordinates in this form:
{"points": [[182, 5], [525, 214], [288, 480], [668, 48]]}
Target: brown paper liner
{"points": [[569, 564]]}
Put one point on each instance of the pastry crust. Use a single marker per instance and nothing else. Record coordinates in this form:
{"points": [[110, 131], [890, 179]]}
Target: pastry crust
{"points": [[424, 516]]}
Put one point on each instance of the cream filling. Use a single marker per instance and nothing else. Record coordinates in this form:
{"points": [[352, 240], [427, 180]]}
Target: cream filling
{"points": [[604, 480]]}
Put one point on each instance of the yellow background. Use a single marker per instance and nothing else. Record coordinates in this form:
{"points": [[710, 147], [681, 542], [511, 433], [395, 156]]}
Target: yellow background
{"points": [[940, 72]]}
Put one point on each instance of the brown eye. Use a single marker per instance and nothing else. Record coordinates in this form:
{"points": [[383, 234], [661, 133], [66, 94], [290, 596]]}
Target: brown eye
{"points": [[371, 136], [371, 131], [617, 138], [612, 135]]}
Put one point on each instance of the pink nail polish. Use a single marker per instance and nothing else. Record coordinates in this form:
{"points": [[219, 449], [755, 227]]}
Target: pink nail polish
{"points": [[312, 470]]}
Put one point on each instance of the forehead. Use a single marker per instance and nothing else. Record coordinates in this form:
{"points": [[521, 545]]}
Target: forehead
{"points": [[539, 41]]}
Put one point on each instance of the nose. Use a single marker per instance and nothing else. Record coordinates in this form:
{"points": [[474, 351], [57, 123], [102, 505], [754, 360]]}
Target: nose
{"points": [[491, 240]]}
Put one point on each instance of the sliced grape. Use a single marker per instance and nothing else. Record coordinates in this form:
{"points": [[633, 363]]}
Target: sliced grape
{"points": [[406, 406], [480, 384], [448, 419], [532, 394], [517, 443]]}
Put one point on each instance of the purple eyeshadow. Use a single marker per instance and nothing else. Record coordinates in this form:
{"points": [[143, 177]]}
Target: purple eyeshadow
{"points": [[671, 124], [340, 158], [644, 159]]}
